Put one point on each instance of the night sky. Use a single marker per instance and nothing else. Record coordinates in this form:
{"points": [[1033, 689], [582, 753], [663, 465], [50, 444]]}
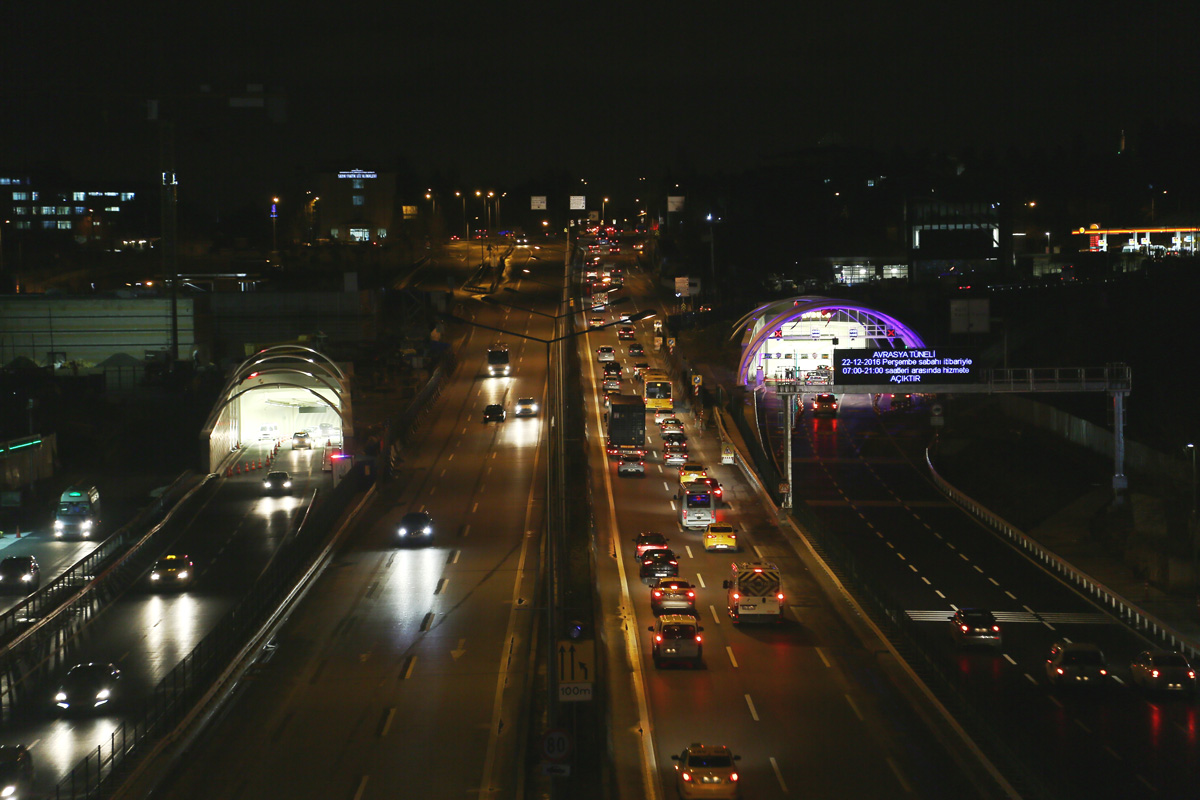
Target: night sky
{"points": [[506, 92]]}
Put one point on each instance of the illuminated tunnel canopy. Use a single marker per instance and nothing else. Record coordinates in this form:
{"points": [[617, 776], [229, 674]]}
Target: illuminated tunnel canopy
{"points": [[276, 392], [798, 335]]}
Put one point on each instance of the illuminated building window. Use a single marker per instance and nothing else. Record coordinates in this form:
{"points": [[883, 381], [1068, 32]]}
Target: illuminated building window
{"points": [[5, 181], [64, 224], [22, 225], [333, 233], [381, 233], [20, 210], [78, 197], [20, 195], [356, 183], [126, 196], [63, 211], [112, 208], [358, 199], [49, 223], [47, 210], [360, 234], [80, 210]]}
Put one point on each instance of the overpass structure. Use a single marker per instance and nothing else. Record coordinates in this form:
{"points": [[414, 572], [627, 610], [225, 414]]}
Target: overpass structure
{"points": [[274, 393], [818, 344]]}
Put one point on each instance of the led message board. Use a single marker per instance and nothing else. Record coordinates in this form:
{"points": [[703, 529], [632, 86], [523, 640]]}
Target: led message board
{"points": [[905, 367]]}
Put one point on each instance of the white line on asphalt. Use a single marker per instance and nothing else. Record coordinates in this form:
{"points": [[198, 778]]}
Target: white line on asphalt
{"points": [[953, 607], [457, 553], [450, 457], [441, 585], [899, 776], [1010, 659], [978, 569], [914, 569], [474, 508], [900, 556], [857, 713], [688, 547], [673, 505], [759, 552], [1048, 625], [879, 534], [387, 723], [994, 581], [1079, 722], [1031, 679], [716, 618], [889, 544], [927, 583], [1030, 610], [939, 593], [1113, 753], [1147, 784], [443, 472], [433, 490], [732, 660], [753, 712], [700, 578], [938, 535], [824, 660], [1056, 701], [1010, 594], [666, 486], [778, 775], [362, 787], [963, 556]]}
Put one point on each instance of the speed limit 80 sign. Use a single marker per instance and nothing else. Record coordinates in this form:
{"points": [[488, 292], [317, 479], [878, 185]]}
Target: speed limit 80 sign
{"points": [[556, 745]]}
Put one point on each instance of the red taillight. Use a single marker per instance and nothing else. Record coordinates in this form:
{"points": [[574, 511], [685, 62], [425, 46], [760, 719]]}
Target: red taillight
{"points": [[736, 595], [658, 637], [996, 628], [687, 776], [647, 563], [1103, 672], [1191, 674], [733, 777], [779, 597], [657, 593], [674, 562], [697, 637], [1059, 670], [965, 628], [691, 594], [1153, 673]]}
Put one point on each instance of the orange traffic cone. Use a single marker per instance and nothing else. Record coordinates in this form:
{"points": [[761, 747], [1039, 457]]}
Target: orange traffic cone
{"points": [[237, 470], [260, 463], [329, 442]]}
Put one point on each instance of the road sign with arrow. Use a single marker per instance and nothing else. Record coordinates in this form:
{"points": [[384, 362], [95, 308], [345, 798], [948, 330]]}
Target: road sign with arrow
{"points": [[576, 669]]}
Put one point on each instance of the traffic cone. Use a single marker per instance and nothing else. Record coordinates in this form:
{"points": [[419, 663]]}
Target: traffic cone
{"points": [[329, 442], [260, 463]]}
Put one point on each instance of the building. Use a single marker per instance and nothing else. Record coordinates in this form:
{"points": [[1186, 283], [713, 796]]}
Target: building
{"points": [[353, 206], [46, 208]]}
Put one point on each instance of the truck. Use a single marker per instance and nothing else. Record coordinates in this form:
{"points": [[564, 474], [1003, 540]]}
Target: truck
{"points": [[754, 591], [78, 513], [497, 360], [626, 426]]}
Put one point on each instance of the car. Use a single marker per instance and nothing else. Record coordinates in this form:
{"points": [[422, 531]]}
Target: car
{"points": [[611, 383], [704, 770], [301, 440], [691, 471], [629, 464], [522, 240], [626, 332], [647, 541], [636, 349], [824, 405], [720, 536], [20, 574], [87, 687], [526, 407], [714, 486], [901, 402], [1076, 664], [670, 425], [611, 367], [676, 637], [639, 367], [673, 595], [659, 564], [493, 412], [675, 438], [278, 482], [975, 626], [675, 446], [1163, 671], [596, 322], [674, 458], [606, 353], [627, 316], [16, 771], [172, 571], [415, 526]]}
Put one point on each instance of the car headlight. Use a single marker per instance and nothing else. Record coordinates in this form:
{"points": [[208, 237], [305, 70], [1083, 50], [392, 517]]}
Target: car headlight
{"points": [[58, 524], [102, 694], [8, 791], [287, 484], [182, 575], [27, 577], [266, 483], [427, 529], [61, 697], [154, 576], [403, 531], [87, 524]]}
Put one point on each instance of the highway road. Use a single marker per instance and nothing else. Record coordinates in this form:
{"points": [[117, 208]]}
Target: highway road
{"points": [[407, 669], [861, 475], [146, 634]]}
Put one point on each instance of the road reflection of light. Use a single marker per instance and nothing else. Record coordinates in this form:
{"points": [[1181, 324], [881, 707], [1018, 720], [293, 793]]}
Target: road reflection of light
{"points": [[1156, 723], [270, 506], [169, 621], [523, 432], [69, 739], [414, 576], [1189, 726]]}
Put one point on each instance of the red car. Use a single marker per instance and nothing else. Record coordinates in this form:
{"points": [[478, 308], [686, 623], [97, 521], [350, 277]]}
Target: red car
{"points": [[648, 541]]}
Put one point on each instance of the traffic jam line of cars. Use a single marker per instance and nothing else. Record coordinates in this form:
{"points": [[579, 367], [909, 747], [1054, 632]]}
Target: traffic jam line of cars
{"points": [[676, 635]]}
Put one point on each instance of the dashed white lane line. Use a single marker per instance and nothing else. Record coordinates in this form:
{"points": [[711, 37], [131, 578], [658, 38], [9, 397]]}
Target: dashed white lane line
{"points": [[688, 548], [994, 582], [899, 775], [824, 660], [914, 569], [1080, 723], [779, 775], [927, 583], [1010, 594], [963, 556], [1113, 753], [1031, 679], [978, 569], [753, 711], [362, 787], [716, 619], [854, 708], [939, 593], [1030, 610], [700, 579], [457, 553], [732, 660], [387, 723], [1056, 701], [1009, 659], [665, 486], [759, 552]]}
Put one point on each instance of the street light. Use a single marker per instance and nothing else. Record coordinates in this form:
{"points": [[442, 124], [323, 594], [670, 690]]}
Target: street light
{"points": [[603, 210], [274, 228], [466, 225]]}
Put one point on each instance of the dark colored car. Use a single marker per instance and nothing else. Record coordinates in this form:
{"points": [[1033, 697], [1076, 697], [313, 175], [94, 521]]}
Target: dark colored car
{"points": [[493, 412], [975, 626], [20, 574], [659, 564], [612, 368], [1163, 671], [278, 483], [636, 349], [824, 405], [87, 687], [649, 540], [415, 526], [16, 771]]}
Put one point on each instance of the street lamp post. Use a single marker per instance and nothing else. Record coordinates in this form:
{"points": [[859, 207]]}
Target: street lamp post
{"points": [[603, 210], [274, 230], [466, 225]]}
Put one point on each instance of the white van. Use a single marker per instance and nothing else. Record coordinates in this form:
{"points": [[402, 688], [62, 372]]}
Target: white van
{"points": [[78, 513], [268, 431]]}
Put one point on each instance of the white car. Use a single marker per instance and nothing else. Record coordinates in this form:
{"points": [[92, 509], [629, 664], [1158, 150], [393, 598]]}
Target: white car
{"points": [[606, 353], [526, 407]]}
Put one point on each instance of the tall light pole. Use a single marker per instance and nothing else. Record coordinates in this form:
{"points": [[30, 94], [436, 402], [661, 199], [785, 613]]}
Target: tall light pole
{"points": [[274, 228], [1190, 447], [466, 225], [603, 210]]}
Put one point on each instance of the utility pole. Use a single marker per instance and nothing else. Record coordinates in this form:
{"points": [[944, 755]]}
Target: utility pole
{"points": [[169, 240]]}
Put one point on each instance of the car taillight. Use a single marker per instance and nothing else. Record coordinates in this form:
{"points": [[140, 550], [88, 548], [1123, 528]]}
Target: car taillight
{"points": [[1191, 674], [736, 595], [1059, 670], [657, 593], [779, 597], [1103, 672], [965, 628], [733, 776], [996, 628], [691, 594], [687, 776], [1153, 673], [674, 562], [697, 637], [646, 563], [658, 637]]}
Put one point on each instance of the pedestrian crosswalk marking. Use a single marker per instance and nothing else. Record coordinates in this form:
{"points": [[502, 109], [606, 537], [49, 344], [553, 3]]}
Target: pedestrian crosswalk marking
{"points": [[1055, 617]]}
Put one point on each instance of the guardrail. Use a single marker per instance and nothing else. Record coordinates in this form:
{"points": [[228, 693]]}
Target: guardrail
{"points": [[1128, 612]]}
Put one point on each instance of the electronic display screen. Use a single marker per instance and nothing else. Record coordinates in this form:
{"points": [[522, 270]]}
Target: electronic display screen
{"points": [[905, 367]]}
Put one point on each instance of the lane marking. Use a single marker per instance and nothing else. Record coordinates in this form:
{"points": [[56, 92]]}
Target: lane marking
{"points": [[1113, 753], [994, 582], [1031, 679], [753, 711], [465, 530], [457, 553], [441, 584], [899, 775], [824, 660], [688, 547], [927, 583], [760, 553], [409, 663], [1010, 659], [1079, 722], [732, 660], [778, 775], [1010, 594], [716, 618], [387, 722], [978, 569], [1056, 701], [853, 707], [700, 578], [362, 787], [914, 569], [939, 593]]}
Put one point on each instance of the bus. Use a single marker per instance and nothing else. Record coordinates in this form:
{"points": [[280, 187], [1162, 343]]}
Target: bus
{"points": [[497, 360], [657, 388], [696, 509]]}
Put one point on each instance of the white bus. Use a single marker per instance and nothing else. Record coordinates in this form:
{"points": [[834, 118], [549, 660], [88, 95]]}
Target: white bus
{"points": [[697, 507]]}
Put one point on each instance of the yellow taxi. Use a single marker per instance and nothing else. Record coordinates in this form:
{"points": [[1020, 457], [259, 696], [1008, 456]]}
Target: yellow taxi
{"points": [[691, 471], [720, 536]]}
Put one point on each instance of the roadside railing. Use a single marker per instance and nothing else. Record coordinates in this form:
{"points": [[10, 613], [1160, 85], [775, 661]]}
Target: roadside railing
{"points": [[1128, 612]]}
